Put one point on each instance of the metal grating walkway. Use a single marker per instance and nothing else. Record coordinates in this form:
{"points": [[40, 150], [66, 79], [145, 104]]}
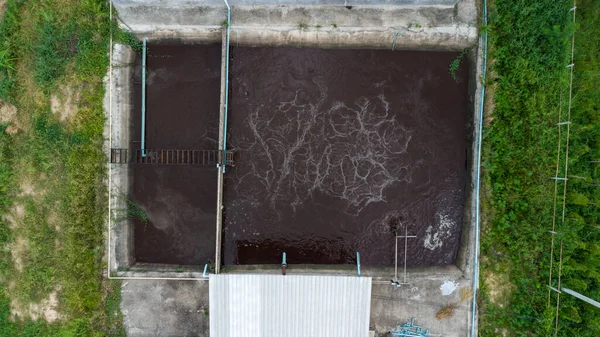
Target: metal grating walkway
{"points": [[170, 157]]}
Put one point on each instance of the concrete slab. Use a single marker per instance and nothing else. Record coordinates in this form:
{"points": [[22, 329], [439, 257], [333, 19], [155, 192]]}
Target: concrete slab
{"points": [[165, 308], [423, 299], [297, 2], [410, 24], [118, 103]]}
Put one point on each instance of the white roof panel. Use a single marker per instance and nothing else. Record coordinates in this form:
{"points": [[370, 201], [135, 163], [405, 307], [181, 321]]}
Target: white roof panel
{"points": [[289, 306]]}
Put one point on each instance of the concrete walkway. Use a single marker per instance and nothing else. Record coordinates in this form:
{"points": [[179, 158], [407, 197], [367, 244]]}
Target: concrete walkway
{"points": [[165, 308]]}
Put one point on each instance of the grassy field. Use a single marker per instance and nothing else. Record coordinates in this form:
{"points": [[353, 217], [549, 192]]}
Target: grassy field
{"points": [[530, 46], [53, 56]]}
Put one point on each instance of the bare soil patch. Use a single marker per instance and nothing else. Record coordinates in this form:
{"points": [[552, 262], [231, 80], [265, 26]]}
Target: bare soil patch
{"points": [[499, 287], [64, 104], [47, 309]]}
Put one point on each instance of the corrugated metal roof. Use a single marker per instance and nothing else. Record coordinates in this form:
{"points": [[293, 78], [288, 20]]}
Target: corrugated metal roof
{"points": [[289, 306]]}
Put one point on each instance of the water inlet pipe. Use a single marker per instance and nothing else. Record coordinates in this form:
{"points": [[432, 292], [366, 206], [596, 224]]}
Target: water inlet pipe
{"points": [[358, 262], [144, 99], [204, 272], [478, 172], [283, 265], [226, 85], [394, 43]]}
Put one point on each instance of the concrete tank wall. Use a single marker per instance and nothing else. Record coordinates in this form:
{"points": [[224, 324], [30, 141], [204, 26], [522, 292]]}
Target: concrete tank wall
{"points": [[404, 24]]}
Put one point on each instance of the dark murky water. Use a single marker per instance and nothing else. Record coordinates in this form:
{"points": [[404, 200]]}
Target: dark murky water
{"points": [[182, 113], [336, 148]]}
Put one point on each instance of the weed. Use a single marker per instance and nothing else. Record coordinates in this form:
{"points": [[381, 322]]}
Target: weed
{"points": [[6, 60], [466, 294], [225, 23], [446, 312], [57, 45], [132, 211], [127, 38], [334, 25], [455, 64], [318, 27], [302, 25]]}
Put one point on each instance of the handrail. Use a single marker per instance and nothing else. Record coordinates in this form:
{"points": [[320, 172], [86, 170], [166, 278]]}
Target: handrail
{"points": [[226, 85], [144, 100]]}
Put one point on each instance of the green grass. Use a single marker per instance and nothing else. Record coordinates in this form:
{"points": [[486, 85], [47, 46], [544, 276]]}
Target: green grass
{"points": [[45, 45], [455, 64], [529, 49], [302, 25], [132, 211]]}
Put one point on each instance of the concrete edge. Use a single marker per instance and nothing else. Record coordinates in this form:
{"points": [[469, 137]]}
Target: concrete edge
{"points": [[425, 26], [160, 275], [451, 38], [478, 103], [470, 244], [118, 101], [377, 273], [122, 245], [222, 142]]}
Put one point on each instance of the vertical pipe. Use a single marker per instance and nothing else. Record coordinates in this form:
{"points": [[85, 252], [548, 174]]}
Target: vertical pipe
{"points": [[220, 175], [110, 90], [396, 261], [558, 295], [226, 86], [358, 262], [144, 100], [405, 249], [204, 273], [478, 173], [283, 265], [555, 194]]}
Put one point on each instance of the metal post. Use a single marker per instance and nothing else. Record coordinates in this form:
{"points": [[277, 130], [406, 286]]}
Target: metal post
{"points": [[405, 249], [283, 264], [406, 237], [581, 297], [226, 85], [144, 99], [396, 263], [558, 296], [394, 43], [358, 262]]}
